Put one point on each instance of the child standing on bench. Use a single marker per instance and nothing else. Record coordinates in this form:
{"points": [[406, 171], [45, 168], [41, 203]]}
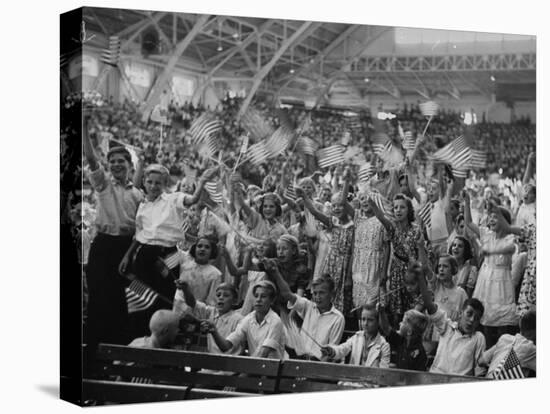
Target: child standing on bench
{"points": [[367, 347], [323, 324], [262, 329], [222, 315], [460, 344]]}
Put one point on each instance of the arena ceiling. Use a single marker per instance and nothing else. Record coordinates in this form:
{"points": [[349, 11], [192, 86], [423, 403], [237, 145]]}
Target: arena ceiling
{"points": [[309, 60]]}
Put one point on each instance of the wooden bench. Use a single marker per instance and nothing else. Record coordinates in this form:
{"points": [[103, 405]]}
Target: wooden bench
{"points": [[310, 376], [179, 374]]}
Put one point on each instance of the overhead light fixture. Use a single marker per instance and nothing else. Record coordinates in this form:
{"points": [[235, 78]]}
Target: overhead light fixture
{"points": [[492, 78], [366, 80], [291, 70], [220, 48]]}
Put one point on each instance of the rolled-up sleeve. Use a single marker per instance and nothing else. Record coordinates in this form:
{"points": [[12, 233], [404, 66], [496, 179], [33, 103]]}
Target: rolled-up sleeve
{"points": [[275, 337], [440, 321], [98, 179], [238, 336]]}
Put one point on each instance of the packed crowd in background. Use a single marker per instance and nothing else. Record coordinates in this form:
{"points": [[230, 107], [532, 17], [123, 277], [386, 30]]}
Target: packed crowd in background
{"points": [[443, 279]]}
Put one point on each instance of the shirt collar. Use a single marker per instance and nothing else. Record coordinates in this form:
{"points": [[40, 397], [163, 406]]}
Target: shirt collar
{"points": [[454, 326], [127, 184], [331, 310]]}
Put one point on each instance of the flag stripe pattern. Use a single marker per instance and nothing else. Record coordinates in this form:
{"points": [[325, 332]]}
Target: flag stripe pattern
{"points": [[111, 55], [425, 214], [257, 153], [278, 141], [307, 146], [478, 159], [139, 296], [429, 108], [409, 143], [509, 368], [213, 190], [173, 260], [203, 127], [330, 156], [385, 205], [366, 172], [290, 193], [256, 125]]}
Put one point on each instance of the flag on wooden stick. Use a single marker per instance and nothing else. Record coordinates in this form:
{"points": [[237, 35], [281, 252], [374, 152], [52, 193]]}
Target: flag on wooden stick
{"points": [[203, 127], [214, 191], [329, 156], [429, 108], [257, 154], [366, 172], [139, 296], [509, 367], [307, 146]]}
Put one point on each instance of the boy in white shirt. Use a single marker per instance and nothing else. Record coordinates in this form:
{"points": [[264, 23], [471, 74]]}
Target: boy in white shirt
{"points": [[262, 329], [460, 344], [322, 323], [222, 315]]}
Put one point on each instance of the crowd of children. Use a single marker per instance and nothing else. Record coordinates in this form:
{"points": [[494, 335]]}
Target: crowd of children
{"points": [[278, 276]]}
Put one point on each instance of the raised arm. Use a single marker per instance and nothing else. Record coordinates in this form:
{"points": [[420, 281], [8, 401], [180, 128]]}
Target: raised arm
{"points": [[206, 176], [468, 214], [426, 296], [380, 215], [347, 206], [187, 293], [316, 213], [221, 342], [138, 173], [284, 290], [411, 181], [88, 149], [529, 168]]}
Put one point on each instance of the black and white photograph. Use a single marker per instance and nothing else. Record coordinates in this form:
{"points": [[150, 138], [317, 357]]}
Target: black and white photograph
{"points": [[275, 206], [301, 209]]}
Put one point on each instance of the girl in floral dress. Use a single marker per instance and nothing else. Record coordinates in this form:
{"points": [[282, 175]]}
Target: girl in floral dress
{"points": [[403, 235], [337, 263], [370, 254]]}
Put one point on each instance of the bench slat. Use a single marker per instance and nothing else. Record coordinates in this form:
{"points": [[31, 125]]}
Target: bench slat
{"points": [[382, 377], [123, 392], [200, 378], [159, 357]]}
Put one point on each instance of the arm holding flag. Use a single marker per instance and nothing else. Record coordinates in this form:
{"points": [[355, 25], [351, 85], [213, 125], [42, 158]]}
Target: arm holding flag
{"points": [[316, 213], [411, 181], [123, 266], [530, 168], [388, 225], [190, 200], [88, 149], [138, 173], [468, 214]]}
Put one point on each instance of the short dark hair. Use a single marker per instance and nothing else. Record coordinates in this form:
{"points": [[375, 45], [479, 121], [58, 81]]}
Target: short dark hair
{"points": [[325, 278], [213, 246], [408, 202], [475, 304], [370, 307], [528, 321], [119, 150]]}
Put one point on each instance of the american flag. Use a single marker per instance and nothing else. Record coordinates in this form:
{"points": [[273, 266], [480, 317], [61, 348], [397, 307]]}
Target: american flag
{"points": [[478, 159], [278, 142], [380, 148], [508, 368], [173, 260], [429, 108], [330, 156], [111, 55], [365, 172], [214, 191], [139, 296], [208, 147], [255, 124], [257, 153], [409, 143], [460, 173], [457, 153], [307, 146], [425, 214], [290, 193], [383, 204], [203, 127]]}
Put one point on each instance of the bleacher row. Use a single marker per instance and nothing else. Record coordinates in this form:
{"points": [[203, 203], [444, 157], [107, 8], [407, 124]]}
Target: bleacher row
{"points": [[122, 374]]}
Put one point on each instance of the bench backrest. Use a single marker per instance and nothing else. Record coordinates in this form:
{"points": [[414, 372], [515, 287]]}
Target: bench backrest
{"points": [[308, 376], [161, 366]]}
